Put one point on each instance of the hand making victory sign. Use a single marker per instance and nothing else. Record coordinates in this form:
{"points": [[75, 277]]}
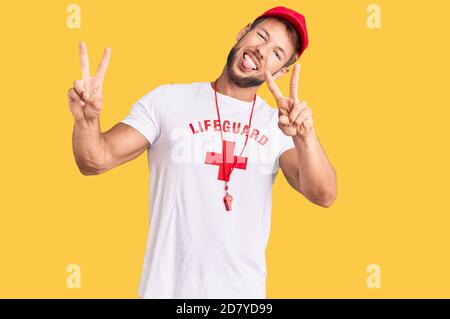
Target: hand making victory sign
{"points": [[294, 116], [86, 96]]}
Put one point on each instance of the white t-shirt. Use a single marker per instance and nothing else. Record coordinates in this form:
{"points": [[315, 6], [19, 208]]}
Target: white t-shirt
{"points": [[195, 248]]}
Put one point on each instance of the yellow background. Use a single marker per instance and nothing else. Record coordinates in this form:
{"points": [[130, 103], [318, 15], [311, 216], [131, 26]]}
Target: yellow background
{"points": [[380, 105]]}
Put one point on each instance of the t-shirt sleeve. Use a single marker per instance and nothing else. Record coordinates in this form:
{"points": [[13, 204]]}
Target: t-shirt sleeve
{"points": [[285, 143], [145, 114]]}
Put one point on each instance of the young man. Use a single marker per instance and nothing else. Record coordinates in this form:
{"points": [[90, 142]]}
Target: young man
{"points": [[214, 149]]}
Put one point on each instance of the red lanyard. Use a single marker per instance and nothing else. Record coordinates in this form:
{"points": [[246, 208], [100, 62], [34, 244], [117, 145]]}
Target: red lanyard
{"points": [[228, 198]]}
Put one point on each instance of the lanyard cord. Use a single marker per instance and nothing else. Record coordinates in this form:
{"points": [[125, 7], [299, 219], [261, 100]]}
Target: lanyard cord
{"points": [[221, 134]]}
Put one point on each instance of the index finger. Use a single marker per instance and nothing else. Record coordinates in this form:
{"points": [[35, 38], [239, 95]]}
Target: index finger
{"points": [[273, 87], [293, 92], [103, 66], [84, 61]]}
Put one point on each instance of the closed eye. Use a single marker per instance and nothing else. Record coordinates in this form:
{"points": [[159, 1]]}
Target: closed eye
{"points": [[278, 56]]}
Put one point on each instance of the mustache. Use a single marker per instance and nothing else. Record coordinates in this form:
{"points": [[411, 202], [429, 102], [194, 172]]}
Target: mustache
{"points": [[240, 81]]}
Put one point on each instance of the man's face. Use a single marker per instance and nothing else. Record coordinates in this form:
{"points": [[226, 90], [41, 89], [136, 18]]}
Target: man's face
{"points": [[268, 45]]}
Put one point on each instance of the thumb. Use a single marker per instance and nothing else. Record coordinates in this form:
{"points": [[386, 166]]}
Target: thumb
{"points": [[284, 120], [85, 95], [93, 110]]}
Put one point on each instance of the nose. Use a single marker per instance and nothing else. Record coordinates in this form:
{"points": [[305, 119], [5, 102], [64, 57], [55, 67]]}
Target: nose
{"points": [[258, 54]]}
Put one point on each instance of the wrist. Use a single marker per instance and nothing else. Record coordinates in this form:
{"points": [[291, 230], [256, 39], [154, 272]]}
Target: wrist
{"points": [[305, 139], [89, 124]]}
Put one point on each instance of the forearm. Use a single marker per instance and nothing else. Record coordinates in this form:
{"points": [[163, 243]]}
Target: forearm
{"points": [[317, 178], [89, 146]]}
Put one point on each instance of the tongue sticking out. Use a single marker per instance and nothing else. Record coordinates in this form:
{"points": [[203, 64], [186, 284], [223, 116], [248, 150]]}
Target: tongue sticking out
{"points": [[247, 64]]}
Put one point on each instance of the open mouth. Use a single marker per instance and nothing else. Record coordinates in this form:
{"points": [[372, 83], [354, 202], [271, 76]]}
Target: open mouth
{"points": [[248, 63]]}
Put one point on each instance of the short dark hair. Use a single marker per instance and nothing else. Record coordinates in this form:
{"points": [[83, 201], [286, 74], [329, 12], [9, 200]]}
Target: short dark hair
{"points": [[292, 34]]}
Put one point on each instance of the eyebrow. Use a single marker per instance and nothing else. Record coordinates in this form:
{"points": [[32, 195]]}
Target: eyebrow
{"points": [[268, 35]]}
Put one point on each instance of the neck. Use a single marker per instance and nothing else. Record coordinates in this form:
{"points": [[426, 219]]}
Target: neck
{"points": [[227, 87]]}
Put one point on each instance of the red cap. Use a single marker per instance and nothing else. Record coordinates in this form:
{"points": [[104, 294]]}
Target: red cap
{"points": [[295, 18]]}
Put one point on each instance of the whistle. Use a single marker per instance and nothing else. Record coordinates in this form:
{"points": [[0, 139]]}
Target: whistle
{"points": [[228, 200]]}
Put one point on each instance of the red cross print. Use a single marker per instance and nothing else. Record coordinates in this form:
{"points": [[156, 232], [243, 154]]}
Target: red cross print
{"points": [[231, 160]]}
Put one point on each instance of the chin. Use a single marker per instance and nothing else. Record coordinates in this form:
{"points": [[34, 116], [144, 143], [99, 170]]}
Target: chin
{"points": [[238, 76], [241, 79]]}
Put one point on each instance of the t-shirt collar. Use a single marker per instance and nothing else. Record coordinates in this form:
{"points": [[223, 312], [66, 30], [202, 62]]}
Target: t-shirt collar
{"points": [[222, 98]]}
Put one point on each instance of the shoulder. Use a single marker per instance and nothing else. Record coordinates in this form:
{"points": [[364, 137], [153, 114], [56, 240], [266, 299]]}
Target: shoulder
{"points": [[154, 94], [178, 89], [159, 92], [165, 94], [188, 87]]}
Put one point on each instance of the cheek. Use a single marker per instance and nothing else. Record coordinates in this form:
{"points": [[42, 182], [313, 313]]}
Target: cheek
{"points": [[248, 41], [273, 64]]}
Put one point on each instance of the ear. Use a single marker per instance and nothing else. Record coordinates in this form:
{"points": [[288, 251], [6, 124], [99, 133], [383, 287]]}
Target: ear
{"points": [[280, 73], [243, 32]]}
